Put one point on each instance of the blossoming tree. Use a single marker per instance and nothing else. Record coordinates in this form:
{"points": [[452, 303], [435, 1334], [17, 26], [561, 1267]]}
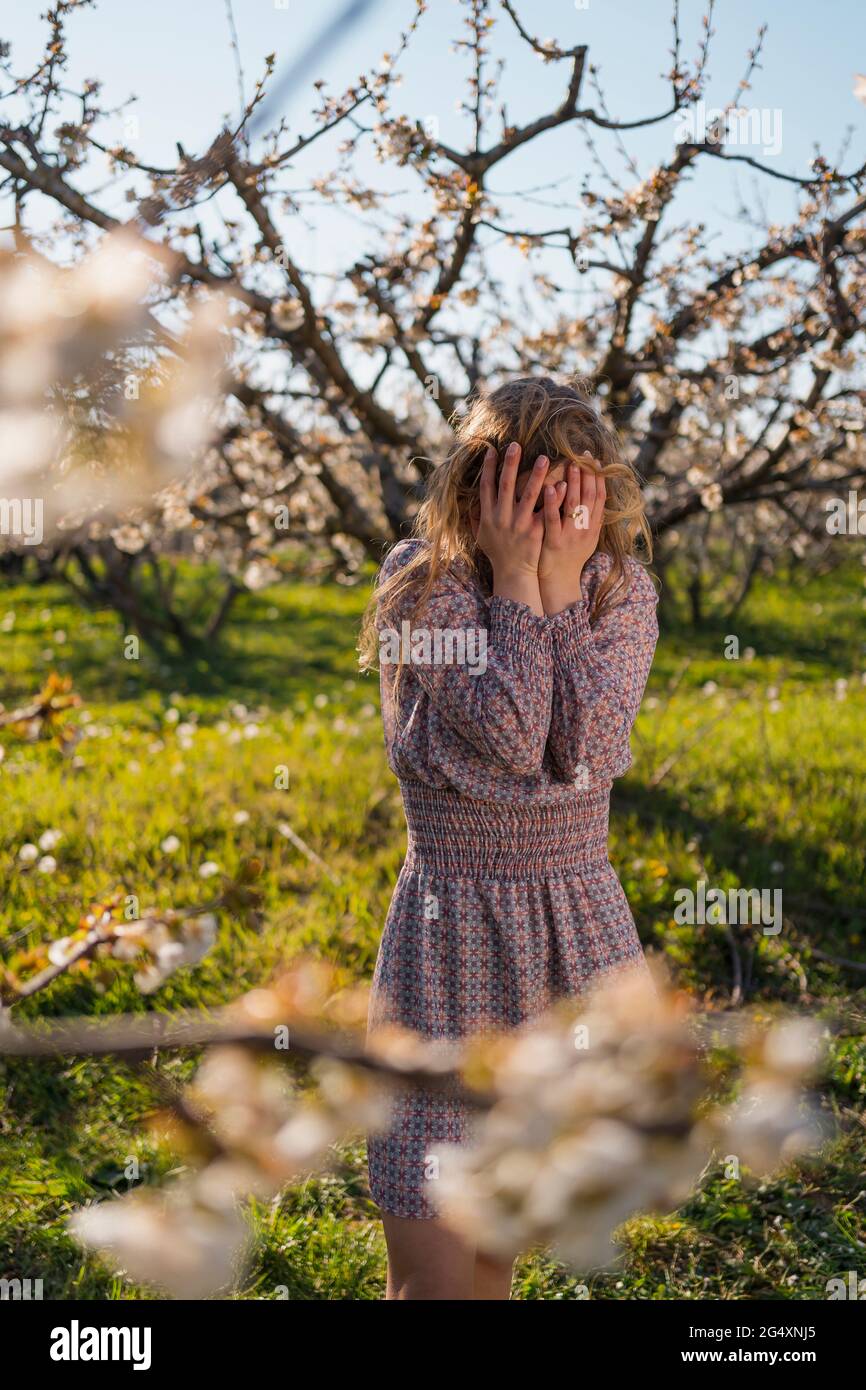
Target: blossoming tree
{"points": [[731, 372]]}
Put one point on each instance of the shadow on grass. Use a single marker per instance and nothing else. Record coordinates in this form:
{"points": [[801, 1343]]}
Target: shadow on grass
{"points": [[276, 647], [816, 619], [819, 914]]}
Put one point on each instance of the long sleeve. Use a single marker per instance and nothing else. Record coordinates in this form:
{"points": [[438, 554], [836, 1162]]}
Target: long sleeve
{"points": [[497, 697], [599, 676]]}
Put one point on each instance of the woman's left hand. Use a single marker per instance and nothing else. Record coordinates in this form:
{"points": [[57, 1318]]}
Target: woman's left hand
{"points": [[572, 528]]}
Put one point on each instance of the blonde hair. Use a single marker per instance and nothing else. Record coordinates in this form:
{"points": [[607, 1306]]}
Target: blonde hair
{"points": [[543, 417]]}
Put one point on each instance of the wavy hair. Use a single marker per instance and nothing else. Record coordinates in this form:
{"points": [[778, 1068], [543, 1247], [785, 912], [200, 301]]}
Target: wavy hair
{"points": [[544, 417]]}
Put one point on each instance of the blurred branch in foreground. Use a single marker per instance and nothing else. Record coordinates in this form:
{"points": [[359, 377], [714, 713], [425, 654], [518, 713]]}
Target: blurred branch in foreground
{"points": [[599, 1111]]}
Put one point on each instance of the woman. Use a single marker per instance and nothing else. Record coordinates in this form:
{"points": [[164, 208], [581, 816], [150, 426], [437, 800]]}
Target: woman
{"points": [[507, 901]]}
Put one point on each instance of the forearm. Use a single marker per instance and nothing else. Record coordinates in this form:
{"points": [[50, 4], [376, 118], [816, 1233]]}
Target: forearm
{"points": [[599, 676], [519, 585], [559, 592], [495, 690]]}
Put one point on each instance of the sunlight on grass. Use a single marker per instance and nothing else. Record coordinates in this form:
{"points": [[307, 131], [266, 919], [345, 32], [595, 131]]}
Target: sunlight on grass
{"points": [[746, 772]]}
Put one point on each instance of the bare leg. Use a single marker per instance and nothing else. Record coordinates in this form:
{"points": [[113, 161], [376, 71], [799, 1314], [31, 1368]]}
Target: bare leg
{"points": [[426, 1261], [492, 1279]]}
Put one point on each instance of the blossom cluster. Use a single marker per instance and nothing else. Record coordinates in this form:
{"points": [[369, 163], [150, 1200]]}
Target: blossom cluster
{"points": [[585, 1119]]}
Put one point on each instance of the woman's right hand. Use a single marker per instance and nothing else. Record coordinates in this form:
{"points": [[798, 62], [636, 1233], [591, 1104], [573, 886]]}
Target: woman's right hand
{"points": [[511, 533]]}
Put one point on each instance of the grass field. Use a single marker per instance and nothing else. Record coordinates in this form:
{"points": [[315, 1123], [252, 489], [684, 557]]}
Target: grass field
{"points": [[747, 772]]}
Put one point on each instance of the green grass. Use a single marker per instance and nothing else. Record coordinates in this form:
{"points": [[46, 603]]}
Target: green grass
{"points": [[761, 789]]}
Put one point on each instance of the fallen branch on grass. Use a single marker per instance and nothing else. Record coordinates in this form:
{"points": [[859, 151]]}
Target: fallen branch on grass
{"points": [[833, 960], [158, 941], [294, 838], [687, 745], [44, 714]]}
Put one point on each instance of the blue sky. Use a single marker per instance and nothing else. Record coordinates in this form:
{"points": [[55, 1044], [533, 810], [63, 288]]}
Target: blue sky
{"points": [[175, 56]]}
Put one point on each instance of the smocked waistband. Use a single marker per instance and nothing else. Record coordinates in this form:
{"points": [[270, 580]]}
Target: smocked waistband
{"points": [[455, 834]]}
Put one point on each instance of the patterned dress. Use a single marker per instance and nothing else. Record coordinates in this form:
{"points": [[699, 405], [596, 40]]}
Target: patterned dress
{"points": [[507, 900]]}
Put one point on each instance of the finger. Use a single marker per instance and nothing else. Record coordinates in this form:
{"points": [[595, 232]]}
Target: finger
{"points": [[572, 491], [529, 496], [507, 479], [588, 486], [600, 499], [488, 482], [552, 517]]}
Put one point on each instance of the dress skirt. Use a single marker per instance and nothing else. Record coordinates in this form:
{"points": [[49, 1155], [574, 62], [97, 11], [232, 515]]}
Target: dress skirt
{"points": [[500, 910]]}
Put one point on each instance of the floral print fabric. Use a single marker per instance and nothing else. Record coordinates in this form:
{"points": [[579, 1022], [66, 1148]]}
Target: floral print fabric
{"points": [[507, 900]]}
